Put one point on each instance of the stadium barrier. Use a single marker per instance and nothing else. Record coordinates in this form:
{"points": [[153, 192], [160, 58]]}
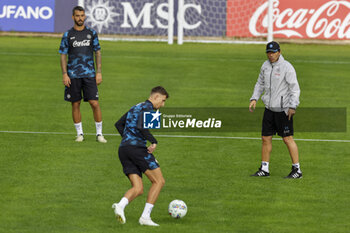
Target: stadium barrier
{"points": [[187, 20]]}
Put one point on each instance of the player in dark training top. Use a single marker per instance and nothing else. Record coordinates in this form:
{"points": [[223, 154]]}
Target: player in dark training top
{"points": [[79, 74], [136, 158]]}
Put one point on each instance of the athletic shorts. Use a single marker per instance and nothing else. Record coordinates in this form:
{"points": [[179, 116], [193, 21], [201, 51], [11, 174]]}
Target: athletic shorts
{"points": [[276, 122], [87, 85], [136, 160]]}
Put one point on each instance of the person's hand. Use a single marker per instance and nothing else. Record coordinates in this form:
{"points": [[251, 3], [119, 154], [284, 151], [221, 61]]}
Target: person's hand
{"points": [[66, 80], [291, 112], [252, 105], [98, 78], [151, 148]]}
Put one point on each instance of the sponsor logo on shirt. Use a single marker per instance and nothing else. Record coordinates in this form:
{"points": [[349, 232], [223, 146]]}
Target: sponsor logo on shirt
{"points": [[84, 43]]}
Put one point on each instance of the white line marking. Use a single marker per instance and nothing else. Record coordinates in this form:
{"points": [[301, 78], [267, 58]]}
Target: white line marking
{"points": [[183, 136], [191, 41], [182, 58], [133, 39]]}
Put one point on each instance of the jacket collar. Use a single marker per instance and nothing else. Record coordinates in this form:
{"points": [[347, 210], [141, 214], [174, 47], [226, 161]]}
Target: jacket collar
{"points": [[147, 101], [279, 61]]}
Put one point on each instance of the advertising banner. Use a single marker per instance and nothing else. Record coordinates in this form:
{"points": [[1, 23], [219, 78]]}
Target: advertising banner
{"points": [[144, 17], [29, 16], [63, 14], [317, 19], [297, 19], [124, 17], [205, 18]]}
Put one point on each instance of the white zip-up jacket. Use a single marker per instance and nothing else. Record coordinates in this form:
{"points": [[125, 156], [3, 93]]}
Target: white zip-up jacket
{"points": [[279, 83]]}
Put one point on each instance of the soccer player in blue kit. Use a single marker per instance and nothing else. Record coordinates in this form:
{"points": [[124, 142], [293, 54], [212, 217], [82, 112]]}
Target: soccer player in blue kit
{"points": [[80, 43], [136, 158]]}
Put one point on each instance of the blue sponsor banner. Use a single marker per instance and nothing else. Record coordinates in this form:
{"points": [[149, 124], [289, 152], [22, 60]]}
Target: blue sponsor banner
{"points": [[145, 17], [27, 15]]}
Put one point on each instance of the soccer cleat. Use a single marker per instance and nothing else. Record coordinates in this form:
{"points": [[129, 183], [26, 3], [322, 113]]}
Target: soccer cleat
{"points": [[147, 222], [119, 213], [79, 138], [101, 139], [261, 173], [294, 174]]}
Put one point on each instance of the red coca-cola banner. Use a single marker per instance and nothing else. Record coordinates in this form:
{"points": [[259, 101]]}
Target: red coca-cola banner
{"points": [[303, 19]]}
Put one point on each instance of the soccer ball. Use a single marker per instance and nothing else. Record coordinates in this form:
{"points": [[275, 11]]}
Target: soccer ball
{"points": [[177, 209]]}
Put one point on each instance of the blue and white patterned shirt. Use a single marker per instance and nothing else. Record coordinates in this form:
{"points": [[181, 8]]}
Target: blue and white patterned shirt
{"points": [[80, 47], [130, 126]]}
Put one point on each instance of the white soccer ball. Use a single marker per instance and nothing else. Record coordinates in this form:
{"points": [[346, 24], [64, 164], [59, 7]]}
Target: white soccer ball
{"points": [[177, 209]]}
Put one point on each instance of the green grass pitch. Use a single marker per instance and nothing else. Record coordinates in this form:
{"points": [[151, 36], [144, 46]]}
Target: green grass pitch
{"points": [[49, 183]]}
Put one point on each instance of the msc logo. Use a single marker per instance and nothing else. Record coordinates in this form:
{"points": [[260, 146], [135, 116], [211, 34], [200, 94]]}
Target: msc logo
{"points": [[100, 14], [151, 120], [103, 15]]}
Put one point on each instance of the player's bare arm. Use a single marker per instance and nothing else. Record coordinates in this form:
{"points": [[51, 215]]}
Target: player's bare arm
{"points": [[98, 67], [65, 78]]}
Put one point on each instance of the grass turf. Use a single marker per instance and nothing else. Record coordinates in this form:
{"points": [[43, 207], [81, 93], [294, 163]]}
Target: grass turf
{"points": [[48, 183]]}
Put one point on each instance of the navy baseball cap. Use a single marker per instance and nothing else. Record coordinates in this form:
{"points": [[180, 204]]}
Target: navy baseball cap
{"points": [[272, 46]]}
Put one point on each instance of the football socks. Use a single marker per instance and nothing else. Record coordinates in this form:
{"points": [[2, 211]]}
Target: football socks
{"points": [[123, 202], [98, 128], [147, 211], [79, 128], [265, 166]]}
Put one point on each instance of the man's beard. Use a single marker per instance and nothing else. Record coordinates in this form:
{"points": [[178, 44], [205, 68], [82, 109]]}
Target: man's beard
{"points": [[79, 23]]}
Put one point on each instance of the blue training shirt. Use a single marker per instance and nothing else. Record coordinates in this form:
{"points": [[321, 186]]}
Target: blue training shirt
{"points": [[80, 47], [132, 134]]}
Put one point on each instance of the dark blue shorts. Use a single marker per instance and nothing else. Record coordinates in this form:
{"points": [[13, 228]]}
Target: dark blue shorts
{"points": [[86, 85], [136, 160], [277, 122]]}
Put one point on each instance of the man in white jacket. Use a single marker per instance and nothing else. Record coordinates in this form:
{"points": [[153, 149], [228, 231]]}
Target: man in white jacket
{"points": [[278, 81]]}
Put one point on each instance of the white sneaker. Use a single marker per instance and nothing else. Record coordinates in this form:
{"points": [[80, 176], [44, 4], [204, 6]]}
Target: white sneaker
{"points": [[119, 213], [147, 222], [101, 139], [79, 138]]}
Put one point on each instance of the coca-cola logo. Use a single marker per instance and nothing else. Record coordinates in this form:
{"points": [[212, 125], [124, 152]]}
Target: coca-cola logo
{"points": [[83, 43], [326, 21]]}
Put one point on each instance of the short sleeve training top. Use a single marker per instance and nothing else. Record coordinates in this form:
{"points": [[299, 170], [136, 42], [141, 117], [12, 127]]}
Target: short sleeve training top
{"points": [[80, 47]]}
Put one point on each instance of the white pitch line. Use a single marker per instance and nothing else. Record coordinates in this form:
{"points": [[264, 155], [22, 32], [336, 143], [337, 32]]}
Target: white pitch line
{"points": [[183, 136], [250, 138], [183, 58]]}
